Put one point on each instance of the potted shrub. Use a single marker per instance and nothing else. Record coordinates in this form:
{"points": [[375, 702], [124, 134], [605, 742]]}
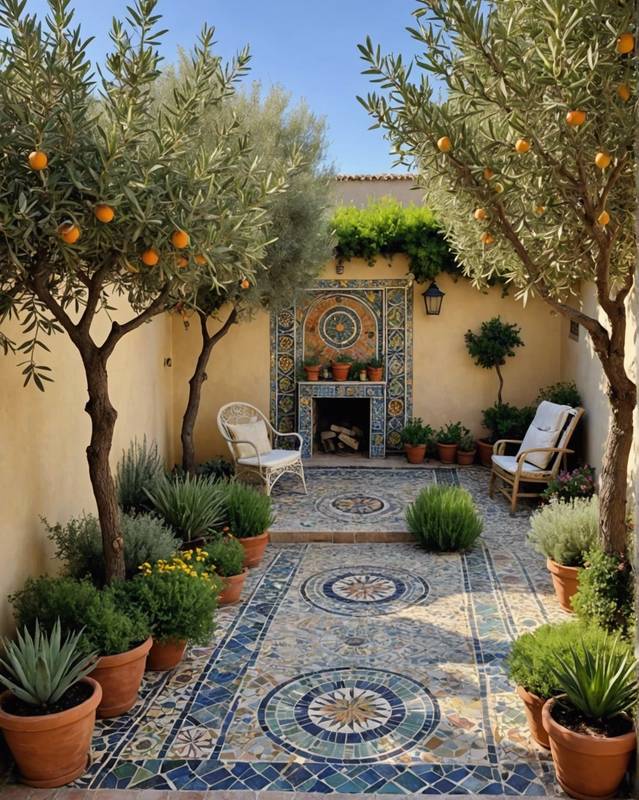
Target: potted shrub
{"points": [[590, 726], [341, 366], [225, 554], [375, 369], [448, 439], [503, 421], [579, 482], [467, 449], [564, 532], [47, 712], [249, 515], [444, 518], [179, 598], [119, 634], [312, 367], [605, 596], [415, 437]]}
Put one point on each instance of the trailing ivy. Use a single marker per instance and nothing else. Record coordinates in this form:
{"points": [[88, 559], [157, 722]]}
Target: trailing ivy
{"points": [[385, 227]]}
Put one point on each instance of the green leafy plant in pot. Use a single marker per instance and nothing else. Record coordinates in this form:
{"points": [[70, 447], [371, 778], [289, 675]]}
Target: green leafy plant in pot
{"points": [[341, 366], [448, 439], [249, 514], [444, 519], [415, 436], [225, 555], [312, 366], [466, 449], [375, 369]]}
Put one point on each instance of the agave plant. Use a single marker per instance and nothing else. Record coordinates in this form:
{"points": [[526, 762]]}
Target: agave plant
{"points": [[39, 669], [191, 506], [601, 684]]}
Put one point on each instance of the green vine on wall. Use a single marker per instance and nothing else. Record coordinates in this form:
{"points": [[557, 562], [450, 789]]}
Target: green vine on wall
{"points": [[385, 227]]}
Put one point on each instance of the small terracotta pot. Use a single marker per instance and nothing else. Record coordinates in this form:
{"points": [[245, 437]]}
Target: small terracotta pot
{"points": [[566, 582], [340, 371], [375, 373], [53, 749], [232, 590], [254, 547], [485, 450], [415, 453], [120, 677], [165, 655], [533, 706], [587, 767], [312, 373], [447, 453], [465, 457]]}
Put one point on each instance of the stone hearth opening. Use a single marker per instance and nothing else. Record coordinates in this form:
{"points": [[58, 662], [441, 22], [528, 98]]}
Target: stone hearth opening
{"points": [[342, 425]]}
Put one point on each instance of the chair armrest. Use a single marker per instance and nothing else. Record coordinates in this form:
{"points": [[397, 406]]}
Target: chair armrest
{"points": [[500, 445], [522, 456], [296, 435], [246, 441]]}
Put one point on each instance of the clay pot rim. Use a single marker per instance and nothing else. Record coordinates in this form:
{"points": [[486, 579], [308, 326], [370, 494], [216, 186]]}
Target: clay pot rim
{"points": [[559, 569], [524, 694], [45, 722], [237, 577], [171, 640], [415, 446], [120, 659], [467, 452], [257, 538], [581, 742]]}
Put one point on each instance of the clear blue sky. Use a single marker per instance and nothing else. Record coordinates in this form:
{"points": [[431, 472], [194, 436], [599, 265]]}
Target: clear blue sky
{"points": [[308, 47]]}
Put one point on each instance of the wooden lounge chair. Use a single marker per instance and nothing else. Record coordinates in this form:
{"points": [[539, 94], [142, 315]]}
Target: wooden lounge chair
{"points": [[541, 453]]}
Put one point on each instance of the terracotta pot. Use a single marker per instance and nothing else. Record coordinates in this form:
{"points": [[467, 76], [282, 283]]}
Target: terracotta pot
{"points": [[340, 371], [375, 373], [447, 453], [165, 655], [533, 706], [254, 547], [587, 767], [485, 450], [415, 453], [566, 582], [466, 457], [232, 590], [52, 750], [120, 677], [312, 373]]}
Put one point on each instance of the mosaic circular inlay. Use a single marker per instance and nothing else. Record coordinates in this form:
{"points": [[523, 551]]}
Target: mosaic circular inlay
{"points": [[358, 504], [349, 715], [364, 591], [340, 327]]}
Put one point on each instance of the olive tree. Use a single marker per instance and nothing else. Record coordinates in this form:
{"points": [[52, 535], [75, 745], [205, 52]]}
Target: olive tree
{"points": [[105, 194], [519, 118]]}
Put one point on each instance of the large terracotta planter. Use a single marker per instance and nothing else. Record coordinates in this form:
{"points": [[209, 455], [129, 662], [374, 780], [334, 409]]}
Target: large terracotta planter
{"points": [[466, 457], [447, 453], [254, 547], [587, 767], [312, 373], [533, 706], [340, 371], [52, 750], [232, 590], [165, 655], [120, 677], [415, 453], [375, 373], [566, 582], [485, 450]]}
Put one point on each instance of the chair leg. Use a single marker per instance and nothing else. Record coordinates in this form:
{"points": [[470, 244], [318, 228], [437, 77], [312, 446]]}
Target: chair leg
{"points": [[513, 497], [491, 484], [303, 479]]}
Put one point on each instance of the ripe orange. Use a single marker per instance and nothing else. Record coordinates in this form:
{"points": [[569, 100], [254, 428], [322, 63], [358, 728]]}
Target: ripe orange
{"points": [[522, 146], [576, 118], [604, 218], [498, 188], [539, 210], [480, 214], [602, 160], [200, 260], [625, 43], [623, 91], [104, 213], [69, 233], [486, 238], [488, 174], [38, 160], [244, 283], [182, 262], [444, 144], [180, 239], [150, 257]]}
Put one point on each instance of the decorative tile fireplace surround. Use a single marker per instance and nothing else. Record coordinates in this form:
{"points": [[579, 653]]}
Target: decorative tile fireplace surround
{"points": [[361, 318]]}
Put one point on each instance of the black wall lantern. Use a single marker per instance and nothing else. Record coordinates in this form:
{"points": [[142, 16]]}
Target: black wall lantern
{"points": [[433, 297]]}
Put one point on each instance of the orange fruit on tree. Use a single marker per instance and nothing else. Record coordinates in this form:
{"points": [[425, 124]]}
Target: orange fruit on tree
{"points": [[625, 43], [623, 91], [486, 238], [480, 214], [444, 144], [150, 257], [604, 218], [182, 262], [103, 212], [522, 146], [69, 233], [244, 283], [576, 118], [603, 159], [539, 210], [38, 160], [180, 239], [488, 173], [200, 260]]}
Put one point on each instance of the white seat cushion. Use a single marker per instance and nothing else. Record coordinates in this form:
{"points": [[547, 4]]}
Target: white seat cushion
{"points": [[544, 431], [250, 432], [274, 458], [509, 463]]}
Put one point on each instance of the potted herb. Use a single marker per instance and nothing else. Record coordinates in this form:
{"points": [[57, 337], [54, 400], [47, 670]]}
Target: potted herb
{"points": [[564, 532], [47, 712], [341, 366], [226, 556], [415, 437], [375, 369], [179, 597], [590, 725], [466, 449], [119, 634], [444, 519], [312, 367], [448, 439], [249, 515]]}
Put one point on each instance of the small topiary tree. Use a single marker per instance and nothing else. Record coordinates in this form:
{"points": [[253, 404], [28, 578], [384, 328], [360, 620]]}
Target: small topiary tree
{"points": [[495, 342]]}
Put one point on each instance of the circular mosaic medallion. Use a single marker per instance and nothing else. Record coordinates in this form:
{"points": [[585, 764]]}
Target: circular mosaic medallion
{"points": [[356, 508], [339, 327], [364, 591], [349, 715], [358, 504]]}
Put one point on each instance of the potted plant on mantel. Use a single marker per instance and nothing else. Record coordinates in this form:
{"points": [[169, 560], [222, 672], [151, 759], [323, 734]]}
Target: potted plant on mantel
{"points": [[225, 554], [312, 366], [340, 367], [375, 369], [249, 515], [448, 439], [467, 448], [415, 436]]}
